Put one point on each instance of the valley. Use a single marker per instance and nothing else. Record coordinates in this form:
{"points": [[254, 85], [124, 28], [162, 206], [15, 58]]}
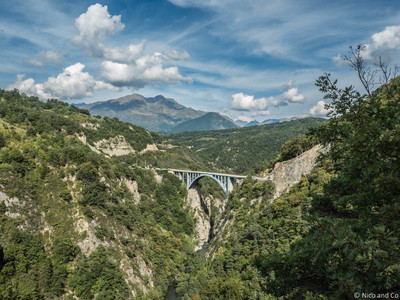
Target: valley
{"points": [[199, 150], [96, 208]]}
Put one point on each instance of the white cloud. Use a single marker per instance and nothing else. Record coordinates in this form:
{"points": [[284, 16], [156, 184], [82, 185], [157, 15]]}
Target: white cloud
{"points": [[243, 102], [338, 60], [124, 54], [292, 95], [94, 27], [146, 70], [261, 113], [173, 54], [124, 65], [385, 44], [319, 109], [36, 62], [244, 119], [50, 56], [71, 83]]}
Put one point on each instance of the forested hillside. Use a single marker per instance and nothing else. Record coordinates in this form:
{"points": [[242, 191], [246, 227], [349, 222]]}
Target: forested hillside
{"points": [[241, 149], [78, 221]]}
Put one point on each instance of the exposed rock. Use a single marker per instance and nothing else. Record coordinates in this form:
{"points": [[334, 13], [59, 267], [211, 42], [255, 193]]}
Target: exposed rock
{"points": [[149, 147], [287, 173], [131, 269], [47, 229], [82, 138], [93, 126], [88, 241], [13, 204], [133, 188], [114, 146], [10, 201], [203, 226]]}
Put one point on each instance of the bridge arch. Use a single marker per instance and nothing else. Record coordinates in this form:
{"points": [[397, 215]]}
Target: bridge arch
{"points": [[224, 185]]}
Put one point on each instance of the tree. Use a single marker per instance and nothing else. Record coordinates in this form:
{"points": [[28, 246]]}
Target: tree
{"points": [[354, 239]]}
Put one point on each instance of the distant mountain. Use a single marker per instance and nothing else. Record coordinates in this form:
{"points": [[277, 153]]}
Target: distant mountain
{"points": [[208, 121], [270, 121], [240, 123], [252, 123], [267, 121], [158, 113]]}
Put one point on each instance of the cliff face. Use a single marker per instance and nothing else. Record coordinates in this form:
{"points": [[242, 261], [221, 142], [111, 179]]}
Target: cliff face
{"points": [[201, 214], [287, 173]]}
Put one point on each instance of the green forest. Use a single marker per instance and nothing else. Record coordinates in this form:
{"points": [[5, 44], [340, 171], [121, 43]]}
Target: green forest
{"points": [[243, 150], [333, 234]]}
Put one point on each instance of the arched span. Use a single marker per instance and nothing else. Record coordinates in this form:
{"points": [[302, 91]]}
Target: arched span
{"points": [[225, 187]]}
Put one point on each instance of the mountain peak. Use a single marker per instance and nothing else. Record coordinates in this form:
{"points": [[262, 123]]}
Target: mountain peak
{"points": [[153, 113]]}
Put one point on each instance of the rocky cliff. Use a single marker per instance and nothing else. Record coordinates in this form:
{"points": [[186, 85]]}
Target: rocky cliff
{"points": [[289, 172]]}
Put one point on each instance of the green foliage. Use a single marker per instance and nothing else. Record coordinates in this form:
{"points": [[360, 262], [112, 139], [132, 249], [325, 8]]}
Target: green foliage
{"points": [[96, 277], [55, 178], [295, 147], [64, 250], [33, 274], [353, 241]]}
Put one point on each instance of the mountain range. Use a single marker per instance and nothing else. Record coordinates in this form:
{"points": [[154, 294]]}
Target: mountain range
{"points": [[208, 121], [161, 114], [157, 113]]}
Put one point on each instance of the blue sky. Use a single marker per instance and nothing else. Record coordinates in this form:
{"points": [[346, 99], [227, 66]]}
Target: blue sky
{"points": [[253, 59]]}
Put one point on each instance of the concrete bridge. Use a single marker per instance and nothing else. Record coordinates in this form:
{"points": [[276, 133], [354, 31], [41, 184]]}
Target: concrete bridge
{"points": [[225, 181]]}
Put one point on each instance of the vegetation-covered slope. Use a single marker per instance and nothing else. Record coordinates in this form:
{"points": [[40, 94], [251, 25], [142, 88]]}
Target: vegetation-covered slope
{"points": [[77, 222], [240, 149]]}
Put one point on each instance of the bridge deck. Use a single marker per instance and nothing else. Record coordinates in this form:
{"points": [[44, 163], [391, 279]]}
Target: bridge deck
{"points": [[212, 173]]}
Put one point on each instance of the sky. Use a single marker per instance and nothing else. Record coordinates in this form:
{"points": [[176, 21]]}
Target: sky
{"points": [[253, 59]]}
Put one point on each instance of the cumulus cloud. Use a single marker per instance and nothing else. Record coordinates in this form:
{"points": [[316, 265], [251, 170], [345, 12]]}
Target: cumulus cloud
{"points": [[292, 95], [73, 82], [384, 43], [139, 75], [50, 56], [243, 102], [124, 65], [94, 27], [319, 109]]}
